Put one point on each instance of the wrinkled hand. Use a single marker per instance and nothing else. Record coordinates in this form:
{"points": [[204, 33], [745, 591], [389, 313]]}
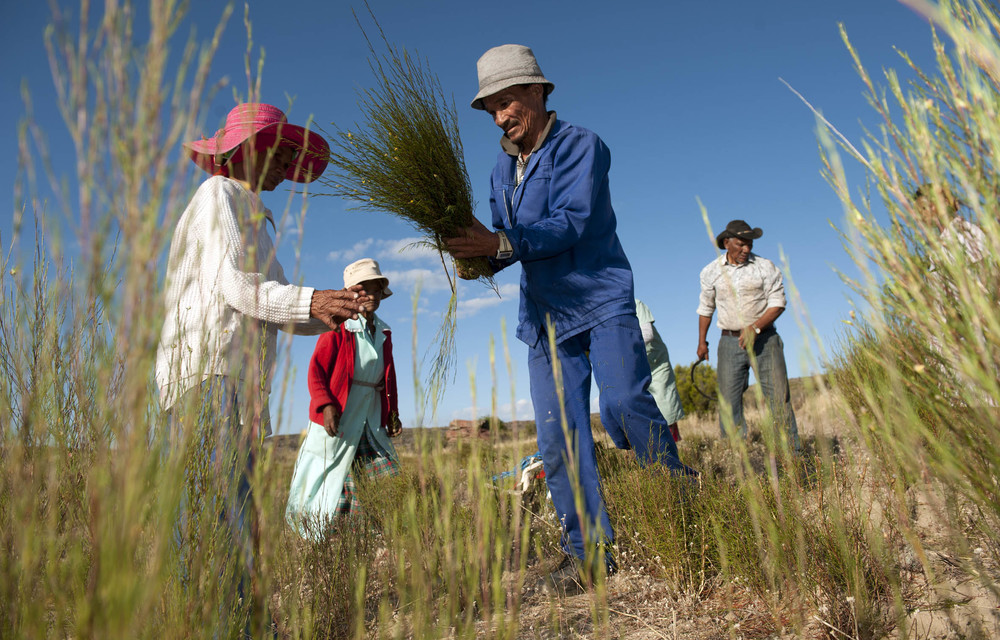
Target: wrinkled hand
{"points": [[702, 351], [473, 242], [395, 426], [334, 306], [331, 421]]}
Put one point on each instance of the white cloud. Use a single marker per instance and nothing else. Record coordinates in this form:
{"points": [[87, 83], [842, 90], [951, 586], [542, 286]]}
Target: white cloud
{"points": [[408, 249], [426, 269], [471, 306], [431, 280], [350, 255], [523, 410], [400, 249]]}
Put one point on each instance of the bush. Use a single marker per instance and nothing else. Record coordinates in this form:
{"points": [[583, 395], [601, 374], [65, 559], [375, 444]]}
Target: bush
{"points": [[898, 365], [740, 531], [704, 378]]}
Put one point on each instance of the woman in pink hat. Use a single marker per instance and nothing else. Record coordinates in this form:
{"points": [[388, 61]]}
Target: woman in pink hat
{"points": [[226, 297]]}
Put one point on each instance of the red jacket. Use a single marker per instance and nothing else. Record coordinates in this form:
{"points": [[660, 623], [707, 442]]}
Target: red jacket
{"points": [[331, 373]]}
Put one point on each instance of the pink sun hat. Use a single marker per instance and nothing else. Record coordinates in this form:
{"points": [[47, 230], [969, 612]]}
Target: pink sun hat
{"points": [[267, 125]]}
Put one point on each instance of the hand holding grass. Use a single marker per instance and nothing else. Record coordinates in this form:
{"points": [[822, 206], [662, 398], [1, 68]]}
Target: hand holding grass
{"points": [[395, 426], [473, 241]]}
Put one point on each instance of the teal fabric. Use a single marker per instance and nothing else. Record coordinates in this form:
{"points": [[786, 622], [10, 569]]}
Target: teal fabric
{"points": [[324, 461], [664, 384]]}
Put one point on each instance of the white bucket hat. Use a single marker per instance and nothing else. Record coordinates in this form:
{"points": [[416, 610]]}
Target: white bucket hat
{"points": [[505, 66], [364, 270]]}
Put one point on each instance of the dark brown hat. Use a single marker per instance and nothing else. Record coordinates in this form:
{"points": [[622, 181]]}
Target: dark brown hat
{"points": [[738, 229]]}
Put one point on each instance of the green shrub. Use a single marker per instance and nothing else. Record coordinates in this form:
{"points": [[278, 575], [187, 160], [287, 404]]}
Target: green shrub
{"points": [[704, 379]]}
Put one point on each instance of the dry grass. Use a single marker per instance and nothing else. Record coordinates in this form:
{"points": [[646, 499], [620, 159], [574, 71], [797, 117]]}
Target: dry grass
{"points": [[688, 594], [886, 527]]}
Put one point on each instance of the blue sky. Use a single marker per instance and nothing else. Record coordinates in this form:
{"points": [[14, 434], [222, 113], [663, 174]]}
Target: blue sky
{"points": [[686, 95]]}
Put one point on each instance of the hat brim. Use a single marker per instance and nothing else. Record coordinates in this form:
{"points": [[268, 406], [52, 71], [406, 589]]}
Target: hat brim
{"points": [[751, 234], [386, 291], [506, 83], [311, 164]]}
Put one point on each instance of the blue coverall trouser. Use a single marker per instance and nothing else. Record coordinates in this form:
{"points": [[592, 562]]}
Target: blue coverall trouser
{"points": [[614, 352]]}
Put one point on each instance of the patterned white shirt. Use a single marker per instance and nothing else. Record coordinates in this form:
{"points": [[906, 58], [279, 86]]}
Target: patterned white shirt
{"points": [[741, 292], [968, 235]]}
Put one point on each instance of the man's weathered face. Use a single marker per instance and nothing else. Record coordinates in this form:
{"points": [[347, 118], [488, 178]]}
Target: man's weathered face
{"points": [[520, 112], [738, 250]]}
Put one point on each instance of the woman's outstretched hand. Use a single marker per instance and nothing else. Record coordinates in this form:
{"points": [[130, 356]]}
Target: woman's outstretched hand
{"points": [[335, 306]]}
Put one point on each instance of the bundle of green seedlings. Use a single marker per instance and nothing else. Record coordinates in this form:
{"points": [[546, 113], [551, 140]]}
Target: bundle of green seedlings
{"points": [[405, 157]]}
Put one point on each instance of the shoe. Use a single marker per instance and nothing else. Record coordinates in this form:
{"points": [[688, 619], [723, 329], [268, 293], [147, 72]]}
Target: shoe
{"points": [[566, 580], [571, 578]]}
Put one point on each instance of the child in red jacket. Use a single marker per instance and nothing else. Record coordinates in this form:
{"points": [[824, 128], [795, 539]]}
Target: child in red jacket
{"points": [[353, 412]]}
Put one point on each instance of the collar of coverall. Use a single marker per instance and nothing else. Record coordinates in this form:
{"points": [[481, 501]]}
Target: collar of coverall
{"points": [[512, 150]]}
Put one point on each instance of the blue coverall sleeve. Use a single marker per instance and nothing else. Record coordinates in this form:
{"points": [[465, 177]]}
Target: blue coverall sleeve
{"points": [[579, 169]]}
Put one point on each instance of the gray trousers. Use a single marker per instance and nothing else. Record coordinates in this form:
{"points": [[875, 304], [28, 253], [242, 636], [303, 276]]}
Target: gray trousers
{"points": [[734, 375]]}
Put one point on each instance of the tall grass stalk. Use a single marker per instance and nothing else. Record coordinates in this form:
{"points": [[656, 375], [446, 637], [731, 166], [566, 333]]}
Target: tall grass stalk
{"points": [[919, 366]]}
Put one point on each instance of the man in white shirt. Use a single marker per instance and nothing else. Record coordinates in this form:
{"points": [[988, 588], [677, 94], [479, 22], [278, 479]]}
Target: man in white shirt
{"points": [[749, 293], [938, 208], [955, 268]]}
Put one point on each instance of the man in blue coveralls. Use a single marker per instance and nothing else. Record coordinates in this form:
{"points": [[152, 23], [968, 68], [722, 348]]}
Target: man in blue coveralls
{"points": [[552, 210]]}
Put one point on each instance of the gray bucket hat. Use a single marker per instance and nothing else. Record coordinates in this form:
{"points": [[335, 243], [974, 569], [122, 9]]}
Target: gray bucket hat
{"points": [[505, 66]]}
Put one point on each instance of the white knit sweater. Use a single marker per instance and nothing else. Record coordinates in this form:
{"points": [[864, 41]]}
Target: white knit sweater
{"points": [[226, 294]]}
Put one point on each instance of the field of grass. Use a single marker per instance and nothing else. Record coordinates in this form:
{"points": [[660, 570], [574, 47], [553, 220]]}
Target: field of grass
{"points": [[695, 568], [888, 524]]}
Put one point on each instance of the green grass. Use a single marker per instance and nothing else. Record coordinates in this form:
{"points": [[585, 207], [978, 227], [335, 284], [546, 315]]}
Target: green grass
{"points": [[91, 482]]}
